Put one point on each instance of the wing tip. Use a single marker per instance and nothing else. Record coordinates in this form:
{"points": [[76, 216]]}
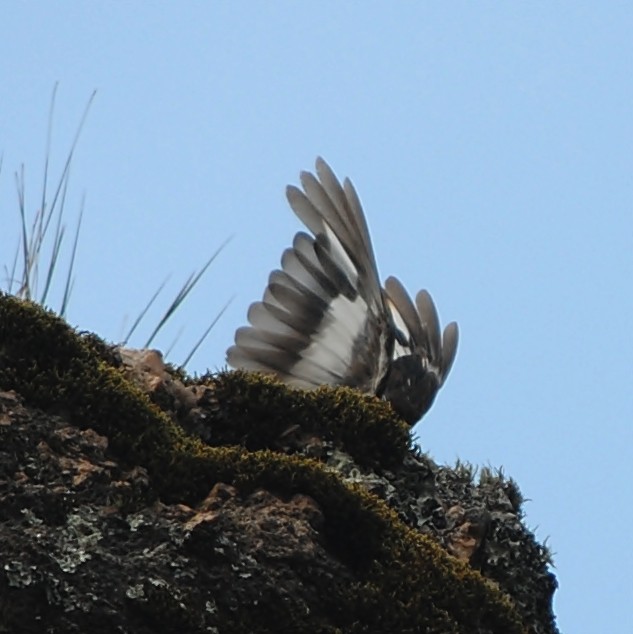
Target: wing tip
{"points": [[450, 341]]}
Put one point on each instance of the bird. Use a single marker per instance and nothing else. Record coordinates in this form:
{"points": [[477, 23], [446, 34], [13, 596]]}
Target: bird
{"points": [[325, 319]]}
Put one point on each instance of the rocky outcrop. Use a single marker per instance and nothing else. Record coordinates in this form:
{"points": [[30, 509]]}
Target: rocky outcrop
{"points": [[136, 499]]}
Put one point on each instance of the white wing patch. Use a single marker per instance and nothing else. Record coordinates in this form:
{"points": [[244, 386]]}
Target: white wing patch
{"points": [[399, 350], [333, 346]]}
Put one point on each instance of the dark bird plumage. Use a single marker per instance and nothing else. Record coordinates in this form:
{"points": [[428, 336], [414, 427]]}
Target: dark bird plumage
{"points": [[325, 319]]}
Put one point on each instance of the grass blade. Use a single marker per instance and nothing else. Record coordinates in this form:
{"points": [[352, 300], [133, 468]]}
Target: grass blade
{"points": [[144, 311], [69, 279], [184, 291], [206, 332]]}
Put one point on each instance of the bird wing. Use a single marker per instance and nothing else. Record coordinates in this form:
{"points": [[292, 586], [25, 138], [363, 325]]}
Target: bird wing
{"points": [[421, 357], [323, 318], [418, 330]]}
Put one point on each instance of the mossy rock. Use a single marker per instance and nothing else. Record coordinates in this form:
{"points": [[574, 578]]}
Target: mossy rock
{"points": [[406, 583]]}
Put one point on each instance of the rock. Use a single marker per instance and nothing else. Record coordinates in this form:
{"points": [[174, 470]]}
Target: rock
{"points": [[136, 499]]}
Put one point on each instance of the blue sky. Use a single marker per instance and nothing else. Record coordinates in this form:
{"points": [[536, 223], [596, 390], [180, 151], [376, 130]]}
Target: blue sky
{"points": [[491, 144]]}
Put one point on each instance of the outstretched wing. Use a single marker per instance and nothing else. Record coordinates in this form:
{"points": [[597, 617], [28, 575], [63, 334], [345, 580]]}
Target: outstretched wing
{"points": [[422, 356], [323, 318]]}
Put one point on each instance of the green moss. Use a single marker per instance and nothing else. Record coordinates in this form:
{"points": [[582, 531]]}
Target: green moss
{"points": [[256, 410], [406, 582]]}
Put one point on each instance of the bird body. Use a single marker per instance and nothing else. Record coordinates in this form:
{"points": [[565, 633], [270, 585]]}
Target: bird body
{"points": [[325, 319]]}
